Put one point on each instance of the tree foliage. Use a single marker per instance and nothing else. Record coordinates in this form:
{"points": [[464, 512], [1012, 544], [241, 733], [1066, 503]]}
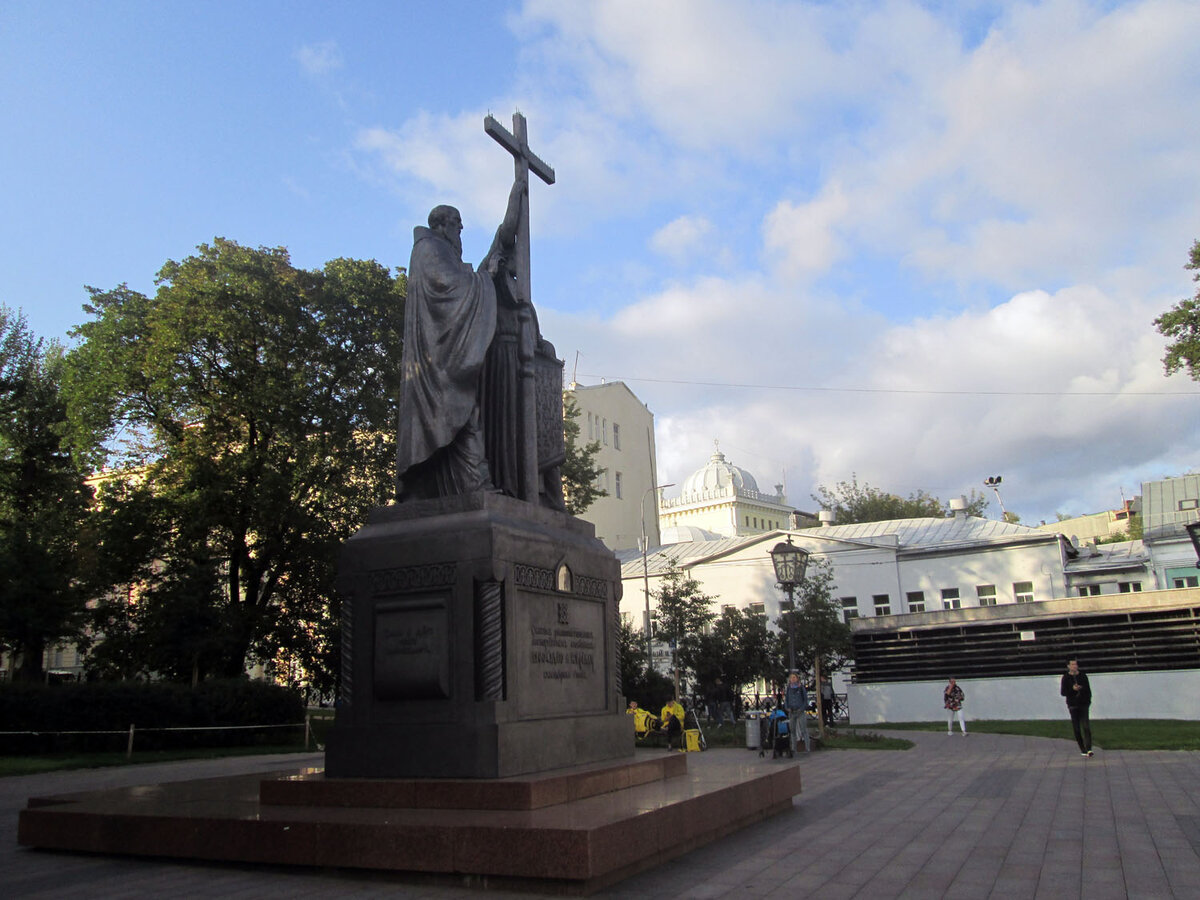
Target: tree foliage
{"points": [[258, 403], [639, 681], [43, 501], [853, 502], [683, 612], [737, 648], [579, 471], [1181, 324]]}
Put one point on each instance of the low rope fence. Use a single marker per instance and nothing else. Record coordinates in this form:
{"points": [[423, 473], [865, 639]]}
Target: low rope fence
{"points": [[133, 731]]}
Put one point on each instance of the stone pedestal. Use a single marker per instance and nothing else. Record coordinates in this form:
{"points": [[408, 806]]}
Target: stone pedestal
{"points": [[479, 641]]}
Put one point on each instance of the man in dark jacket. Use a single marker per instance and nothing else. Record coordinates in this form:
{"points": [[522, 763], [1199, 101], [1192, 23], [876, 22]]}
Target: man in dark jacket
{"points": [[1078, 691]]}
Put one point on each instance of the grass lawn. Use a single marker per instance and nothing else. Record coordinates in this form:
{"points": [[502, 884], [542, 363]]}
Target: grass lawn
{"points": [[1109, 734]]}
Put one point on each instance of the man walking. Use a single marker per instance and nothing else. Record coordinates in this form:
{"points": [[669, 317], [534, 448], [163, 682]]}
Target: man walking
{"points": [[1078, 691], [795, 701]]}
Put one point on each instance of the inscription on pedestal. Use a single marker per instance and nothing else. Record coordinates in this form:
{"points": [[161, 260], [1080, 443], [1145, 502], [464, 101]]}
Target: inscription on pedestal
{"points": [[561, 655], [412, 650]]}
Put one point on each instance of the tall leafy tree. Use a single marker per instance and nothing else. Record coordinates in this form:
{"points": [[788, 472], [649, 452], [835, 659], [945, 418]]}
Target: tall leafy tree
{"points": [[260, 399], [579, 471], [43, 501], [854, 502], [683, 612], [1181, 324]]}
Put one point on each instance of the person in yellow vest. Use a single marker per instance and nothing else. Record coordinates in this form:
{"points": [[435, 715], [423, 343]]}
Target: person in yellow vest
{"points": [[643, 720], [672, 722]]}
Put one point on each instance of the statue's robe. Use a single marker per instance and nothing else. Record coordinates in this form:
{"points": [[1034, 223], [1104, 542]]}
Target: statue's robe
{"points": [[449, 323]]}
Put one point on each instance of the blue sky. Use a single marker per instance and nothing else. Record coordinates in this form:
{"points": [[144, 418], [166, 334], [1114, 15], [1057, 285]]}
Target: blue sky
{"points": [[922, 243]]}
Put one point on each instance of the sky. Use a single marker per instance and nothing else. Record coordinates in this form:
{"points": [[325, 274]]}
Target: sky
{"points": [[919, 244]]}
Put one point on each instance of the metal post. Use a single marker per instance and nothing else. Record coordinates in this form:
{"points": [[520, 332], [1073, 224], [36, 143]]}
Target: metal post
{"points": [[129, 746], [791, 628]]}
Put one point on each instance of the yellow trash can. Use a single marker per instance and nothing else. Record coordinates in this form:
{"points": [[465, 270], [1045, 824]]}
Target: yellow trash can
{"points": [[692, 740]]}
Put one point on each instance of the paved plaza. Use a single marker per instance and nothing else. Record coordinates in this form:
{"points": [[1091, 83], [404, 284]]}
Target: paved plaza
{"points": [[981, 816]]}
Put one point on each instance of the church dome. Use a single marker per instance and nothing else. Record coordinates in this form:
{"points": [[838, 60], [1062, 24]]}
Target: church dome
{"points": [[684, 534], [716, 477]]}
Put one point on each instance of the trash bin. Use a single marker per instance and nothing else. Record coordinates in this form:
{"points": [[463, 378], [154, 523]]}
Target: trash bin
{"points": [[753, 738], [691, 740]]}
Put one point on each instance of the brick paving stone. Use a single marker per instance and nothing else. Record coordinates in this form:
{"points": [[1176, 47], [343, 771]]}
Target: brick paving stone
{"points": [[996, 816]]}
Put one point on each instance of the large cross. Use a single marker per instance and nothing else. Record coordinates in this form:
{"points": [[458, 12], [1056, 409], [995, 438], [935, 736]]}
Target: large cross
{"points": [[516, 142]]}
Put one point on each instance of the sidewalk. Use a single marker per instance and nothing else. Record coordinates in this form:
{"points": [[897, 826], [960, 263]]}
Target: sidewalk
{"points": [[981, 816]]}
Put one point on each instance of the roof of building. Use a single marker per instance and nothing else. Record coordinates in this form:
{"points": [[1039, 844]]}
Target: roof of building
{"points": [[1170, 504], [682, 534], [906, 535], [1103, 557]]}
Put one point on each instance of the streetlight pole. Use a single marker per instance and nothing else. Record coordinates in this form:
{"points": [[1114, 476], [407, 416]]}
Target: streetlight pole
{"points": [[646, 569], [994, 483], [790, 562]]}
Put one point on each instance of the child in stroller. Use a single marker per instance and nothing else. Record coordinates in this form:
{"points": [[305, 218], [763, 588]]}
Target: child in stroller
{"points": [[776, 734]]}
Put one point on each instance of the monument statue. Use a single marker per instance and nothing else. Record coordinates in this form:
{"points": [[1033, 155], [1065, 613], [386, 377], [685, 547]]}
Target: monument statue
{"points": [[481, 395]]}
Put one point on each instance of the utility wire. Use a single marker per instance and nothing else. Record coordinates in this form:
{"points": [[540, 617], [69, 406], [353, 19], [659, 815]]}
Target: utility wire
{"points": [[862, 390]]}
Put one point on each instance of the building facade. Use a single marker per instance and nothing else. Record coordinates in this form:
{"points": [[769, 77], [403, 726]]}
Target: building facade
{"points": [[612, 415]]}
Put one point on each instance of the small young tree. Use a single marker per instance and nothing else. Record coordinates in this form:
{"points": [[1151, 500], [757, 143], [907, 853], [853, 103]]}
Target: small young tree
{"points": [[683, 613], [853, 502], [737, 648], [822, 638], [639, 681]]}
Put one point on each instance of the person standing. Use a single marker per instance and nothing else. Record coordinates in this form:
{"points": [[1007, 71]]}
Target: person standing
{"points": [[827, 701], [1078, 691], [795, 701], [952, 698]]}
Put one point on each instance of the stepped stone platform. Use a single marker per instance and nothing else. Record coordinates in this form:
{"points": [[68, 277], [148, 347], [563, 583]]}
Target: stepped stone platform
{"points": [[569, 831]]}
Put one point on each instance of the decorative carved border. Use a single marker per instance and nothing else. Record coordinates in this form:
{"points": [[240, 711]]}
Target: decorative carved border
{"points": [[411, 578], [534, 577], [597, 588]]}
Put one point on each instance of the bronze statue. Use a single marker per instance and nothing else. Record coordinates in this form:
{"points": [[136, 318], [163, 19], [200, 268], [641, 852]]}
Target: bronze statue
{"points": [[481, 396]]}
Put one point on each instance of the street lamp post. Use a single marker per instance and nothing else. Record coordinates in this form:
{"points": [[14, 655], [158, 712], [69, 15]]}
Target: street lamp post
{"points": [[790, 562], [646, 569], [994, 482]]}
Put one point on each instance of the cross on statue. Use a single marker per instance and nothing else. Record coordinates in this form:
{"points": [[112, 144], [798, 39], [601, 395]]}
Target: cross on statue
{"points": [[516, 142]]}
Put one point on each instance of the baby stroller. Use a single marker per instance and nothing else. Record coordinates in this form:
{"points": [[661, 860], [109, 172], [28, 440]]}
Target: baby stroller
{"points": [[776, 735]]}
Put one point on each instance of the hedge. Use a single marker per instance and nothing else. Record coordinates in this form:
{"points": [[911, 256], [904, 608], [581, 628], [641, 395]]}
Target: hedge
{"points": [[49, 710]]}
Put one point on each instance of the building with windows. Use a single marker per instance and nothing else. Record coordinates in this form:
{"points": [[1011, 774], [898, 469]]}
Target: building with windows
{"points": [[623, 426], [998, 605]]}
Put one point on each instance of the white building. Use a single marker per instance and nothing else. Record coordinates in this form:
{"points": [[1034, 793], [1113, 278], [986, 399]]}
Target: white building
{"points": [[614, 417], [1001, 606]]}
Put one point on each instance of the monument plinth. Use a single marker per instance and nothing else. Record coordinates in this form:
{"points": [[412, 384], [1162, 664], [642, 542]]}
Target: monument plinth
{"points": [[478, 642]]}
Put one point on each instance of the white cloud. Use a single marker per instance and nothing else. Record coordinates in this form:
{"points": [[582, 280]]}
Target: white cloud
{"points": [[682, 238], [319, 59], [803, 238]]}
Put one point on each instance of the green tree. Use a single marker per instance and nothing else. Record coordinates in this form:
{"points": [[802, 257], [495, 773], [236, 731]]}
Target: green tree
{"points": [[1181, 324], [737, 648], [639, 681], [43, 501], [261, 400], [854, 502], [822, 637], [579, 471], [683, 612]]}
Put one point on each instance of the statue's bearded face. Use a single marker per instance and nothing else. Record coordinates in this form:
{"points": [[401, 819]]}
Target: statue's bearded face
{"points": [[451, 229]]}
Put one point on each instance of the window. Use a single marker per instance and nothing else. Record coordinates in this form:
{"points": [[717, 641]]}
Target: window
{"points": [[747, 521], [1128, 587], [849, 608], [616, 436], [950, 599], [618, 485], [591, 428], [604, 431], [1189, 504], [916, 601], [986, 594], [1186, 581], [1023, 591], [883, 604], [758, 610], [1089, 590]]}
